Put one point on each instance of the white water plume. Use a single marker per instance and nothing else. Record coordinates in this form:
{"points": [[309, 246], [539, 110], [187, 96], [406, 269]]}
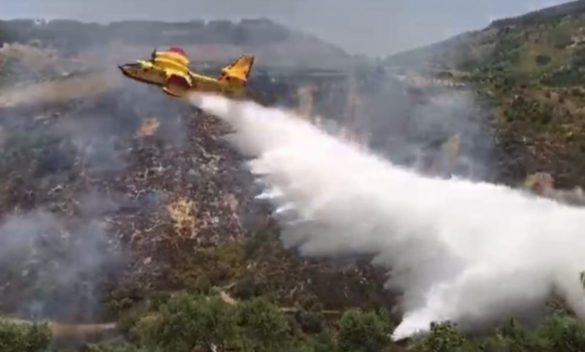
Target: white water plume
{"points": [[467, 252]]}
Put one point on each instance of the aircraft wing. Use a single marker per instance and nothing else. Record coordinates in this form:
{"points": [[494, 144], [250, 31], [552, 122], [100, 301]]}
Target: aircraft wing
{"points": [[238, 71], [172, 60]]}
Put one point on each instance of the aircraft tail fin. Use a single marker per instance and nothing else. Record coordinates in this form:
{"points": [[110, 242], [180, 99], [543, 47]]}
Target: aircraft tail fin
{"points": [[238, 71]]}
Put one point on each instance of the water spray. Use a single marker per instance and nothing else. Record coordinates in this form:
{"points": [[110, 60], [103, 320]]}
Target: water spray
{"points": [[468, 252]]}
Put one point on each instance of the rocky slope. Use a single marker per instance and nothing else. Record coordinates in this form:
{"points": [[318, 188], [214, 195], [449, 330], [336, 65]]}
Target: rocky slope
{"points": [[114, 196], [531, 69]]}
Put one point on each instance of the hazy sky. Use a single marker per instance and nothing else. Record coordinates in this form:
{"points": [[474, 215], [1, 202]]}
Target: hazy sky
{"points": [[373, 27]]}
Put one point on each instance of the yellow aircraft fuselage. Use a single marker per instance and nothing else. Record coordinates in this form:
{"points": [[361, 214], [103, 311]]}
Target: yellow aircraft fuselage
{"points": [[170, 70]]}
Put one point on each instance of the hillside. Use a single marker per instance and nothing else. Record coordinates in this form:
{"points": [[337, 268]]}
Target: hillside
{"points": [[551, 29], [122, 209], [532, 68], [272, 43], [116, 198]]}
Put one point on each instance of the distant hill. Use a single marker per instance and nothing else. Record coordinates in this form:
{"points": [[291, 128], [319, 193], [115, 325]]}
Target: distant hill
{"points": [[213, 40], [543, 15], [531, 44], [533, 69]]}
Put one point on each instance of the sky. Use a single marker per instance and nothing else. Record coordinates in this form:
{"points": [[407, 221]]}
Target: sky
{"points": [[370, 27]]}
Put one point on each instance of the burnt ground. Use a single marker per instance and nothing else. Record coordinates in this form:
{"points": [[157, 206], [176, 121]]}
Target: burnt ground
{"points": [[113, 199]]}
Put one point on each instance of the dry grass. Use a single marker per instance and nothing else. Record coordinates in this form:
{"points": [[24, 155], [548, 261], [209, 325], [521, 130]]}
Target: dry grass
{"points": [[183, 214], [148, 127]]}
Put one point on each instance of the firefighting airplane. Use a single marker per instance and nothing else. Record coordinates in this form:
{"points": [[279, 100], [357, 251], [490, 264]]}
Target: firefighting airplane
{"points": [[170, 70]]}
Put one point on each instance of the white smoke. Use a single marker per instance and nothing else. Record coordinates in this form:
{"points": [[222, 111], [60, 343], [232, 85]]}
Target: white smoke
{"points": [[461, 251]]}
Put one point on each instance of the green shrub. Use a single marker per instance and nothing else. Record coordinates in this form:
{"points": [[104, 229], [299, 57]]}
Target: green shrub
{"points": [[189, 323], [564, 333], [558, 333], [564, 78], [310, 322], [263, 326], [444, 337], [323, 343], [196, 323], [24, 337], [561, 39], [247, 288], [362, 331], [515, 337]]}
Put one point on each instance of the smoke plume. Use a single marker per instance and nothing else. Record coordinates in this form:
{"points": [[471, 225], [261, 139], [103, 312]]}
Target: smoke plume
{"points": [[52, 266], [469, 252]]}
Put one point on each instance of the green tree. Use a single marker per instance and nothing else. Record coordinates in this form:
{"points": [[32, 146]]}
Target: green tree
{"points": [[520, 339], [362, 331], [263, 326], [310, 321], [564, 333], [24, 337], [190, 323], [444, 337], [323, 343]]}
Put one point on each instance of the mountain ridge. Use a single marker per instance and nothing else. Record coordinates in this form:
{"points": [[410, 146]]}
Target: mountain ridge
{"points": [[532, 69], [422, 54], [214, 39]]}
